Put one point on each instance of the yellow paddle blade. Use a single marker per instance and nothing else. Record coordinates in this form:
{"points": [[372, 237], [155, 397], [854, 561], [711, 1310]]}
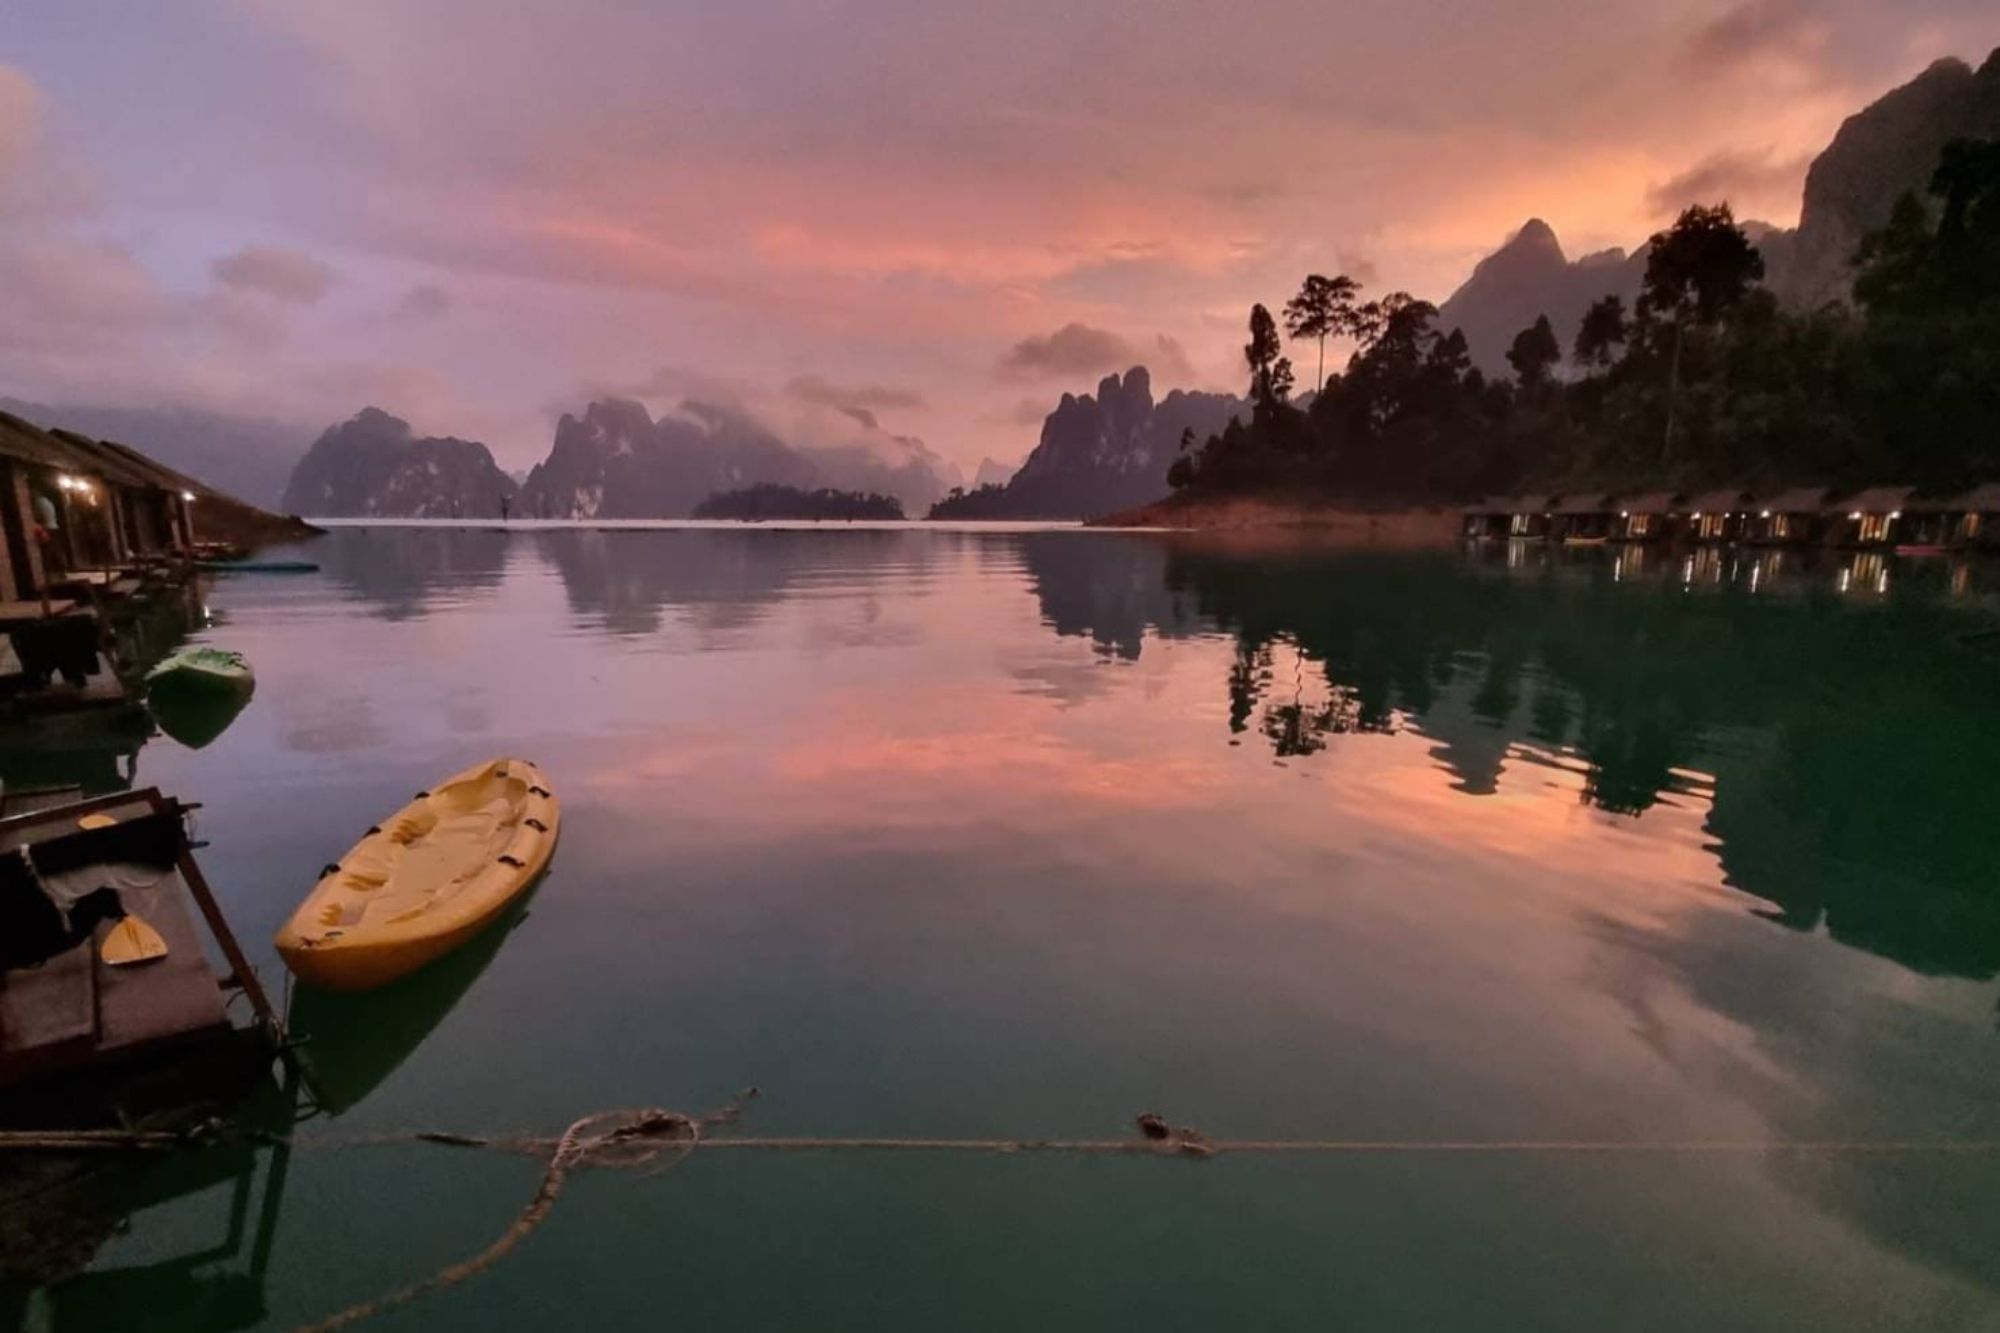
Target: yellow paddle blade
{"points": [[96, 821], [132, 941]]}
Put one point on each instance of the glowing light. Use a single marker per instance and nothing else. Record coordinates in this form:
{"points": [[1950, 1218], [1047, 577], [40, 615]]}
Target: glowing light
{"points": [[1764, 513], [188, 496], [1895, 513], [1855, 515]]}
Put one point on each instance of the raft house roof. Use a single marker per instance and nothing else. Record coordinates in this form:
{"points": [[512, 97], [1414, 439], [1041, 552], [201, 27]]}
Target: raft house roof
{"points": [[1874, 500], [1720, 502], [107, 463], [29, 443], [1984, 499], [1797, 500], [1649, 502], [164, 477], [1587, 502]]}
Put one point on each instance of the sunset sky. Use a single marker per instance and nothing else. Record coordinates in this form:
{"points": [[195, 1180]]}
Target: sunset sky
{"points": [[477, 215]]}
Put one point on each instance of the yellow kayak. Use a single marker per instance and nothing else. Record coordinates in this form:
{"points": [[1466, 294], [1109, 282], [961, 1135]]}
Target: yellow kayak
{"points": [[426, 881]]}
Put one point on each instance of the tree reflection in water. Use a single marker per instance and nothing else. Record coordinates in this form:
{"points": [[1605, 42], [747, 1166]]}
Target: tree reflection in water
{"points": [[1837, 713]]}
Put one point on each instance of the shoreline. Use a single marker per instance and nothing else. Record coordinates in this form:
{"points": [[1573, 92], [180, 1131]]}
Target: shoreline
{"points": [[1413, 526]]}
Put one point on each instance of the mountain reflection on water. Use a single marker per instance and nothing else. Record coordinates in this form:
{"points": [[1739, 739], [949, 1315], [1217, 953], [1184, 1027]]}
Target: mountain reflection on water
{"points": [[1847, 752], [941, 832]]}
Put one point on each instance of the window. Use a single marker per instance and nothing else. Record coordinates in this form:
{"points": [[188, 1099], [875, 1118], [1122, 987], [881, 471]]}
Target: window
{"points": [[1875, 527]]}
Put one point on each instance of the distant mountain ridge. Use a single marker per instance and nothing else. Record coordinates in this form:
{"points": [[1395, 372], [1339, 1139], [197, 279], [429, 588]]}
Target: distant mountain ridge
{"points": [[617, 461], [373, 465], [1528, 277], [1102, 453], [1882, 151]]}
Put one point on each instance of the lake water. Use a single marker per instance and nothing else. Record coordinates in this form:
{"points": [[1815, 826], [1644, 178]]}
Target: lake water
{"points": [[1018, 834]]}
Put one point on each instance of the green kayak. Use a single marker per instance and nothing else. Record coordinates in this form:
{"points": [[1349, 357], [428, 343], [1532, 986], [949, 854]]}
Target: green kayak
{"points": [[205, 666], [257, 566]]}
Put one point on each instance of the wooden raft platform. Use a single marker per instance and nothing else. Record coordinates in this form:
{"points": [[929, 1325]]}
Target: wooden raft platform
{"points": [[74, 1012]]}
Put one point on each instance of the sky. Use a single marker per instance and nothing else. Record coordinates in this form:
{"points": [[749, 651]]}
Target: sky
{"points": [[478, 216]]}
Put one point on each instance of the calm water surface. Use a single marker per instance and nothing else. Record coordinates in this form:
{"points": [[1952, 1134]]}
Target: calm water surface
{"points": [[1019, 834]]}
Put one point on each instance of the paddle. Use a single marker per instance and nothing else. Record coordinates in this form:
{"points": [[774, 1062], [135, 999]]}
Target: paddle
{"points": [[131, 940]]}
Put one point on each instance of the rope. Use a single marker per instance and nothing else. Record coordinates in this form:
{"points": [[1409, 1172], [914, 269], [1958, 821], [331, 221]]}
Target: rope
{"points": [[632, 1138], [656, 1140]]}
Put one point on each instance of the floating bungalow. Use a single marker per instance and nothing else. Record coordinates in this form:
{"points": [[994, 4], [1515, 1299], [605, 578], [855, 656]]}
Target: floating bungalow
{"points": [[82, 512], [1647, 517], [1488, 518], [1720, 516], [1978, 517], [1869, 517], [1530, 515], [1788, 518], [1874, 518], [1582, 518]]}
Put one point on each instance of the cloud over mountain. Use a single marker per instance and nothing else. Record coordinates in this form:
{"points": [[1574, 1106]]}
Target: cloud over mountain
{"points": [[1077, 349], [273, 271], [867, 397], [1747, 178]]}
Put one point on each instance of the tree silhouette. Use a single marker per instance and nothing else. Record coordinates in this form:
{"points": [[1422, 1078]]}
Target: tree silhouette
{"points": [[1603, 332], [1700, 267], [1270, 373], [1535, 353], [1323, 308], [1697, 270]]}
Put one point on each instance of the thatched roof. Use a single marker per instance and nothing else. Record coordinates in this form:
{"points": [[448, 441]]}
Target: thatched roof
{"points": [[1979, 500], [1528, 504], [1586, 502], [1491, 506], [31, 444], [106, 463], [1719, 502], [163, 476], [1874, 500], [1797, 500], [1651, 502]]}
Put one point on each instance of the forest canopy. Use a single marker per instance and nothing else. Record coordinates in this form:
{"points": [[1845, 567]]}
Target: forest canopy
{"points": [[1706, 380]]}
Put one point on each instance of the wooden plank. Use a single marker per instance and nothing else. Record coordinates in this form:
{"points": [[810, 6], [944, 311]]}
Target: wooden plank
{"points": [[148, 1006], [168, 999], [102, 690], [15, 613], [48, 1014]]}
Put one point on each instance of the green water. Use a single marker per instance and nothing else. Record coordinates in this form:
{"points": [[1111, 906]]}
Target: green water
{"points": [[1019, 834]]}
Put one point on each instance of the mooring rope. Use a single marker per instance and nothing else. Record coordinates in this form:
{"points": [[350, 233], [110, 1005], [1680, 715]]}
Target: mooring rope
{"points": [[624, 1138], [657, 1140]]}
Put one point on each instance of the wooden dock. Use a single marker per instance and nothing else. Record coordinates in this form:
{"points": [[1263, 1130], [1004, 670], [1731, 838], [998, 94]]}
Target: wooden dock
{"points": [[74, 1012]]}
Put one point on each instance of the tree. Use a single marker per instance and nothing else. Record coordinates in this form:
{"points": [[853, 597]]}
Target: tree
{"points": [[1701, 266], [1323, 308], [1698, 269], [1602, 333], [1270, 373], [1534, 354]]}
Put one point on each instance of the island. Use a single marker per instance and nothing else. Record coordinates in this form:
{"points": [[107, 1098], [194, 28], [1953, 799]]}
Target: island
{"points": [[769, 500]]}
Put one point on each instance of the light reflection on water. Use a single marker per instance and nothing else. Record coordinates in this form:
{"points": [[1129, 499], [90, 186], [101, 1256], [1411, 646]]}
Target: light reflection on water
{"points": [[1020, 833]]}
